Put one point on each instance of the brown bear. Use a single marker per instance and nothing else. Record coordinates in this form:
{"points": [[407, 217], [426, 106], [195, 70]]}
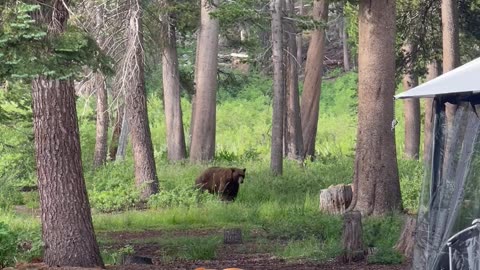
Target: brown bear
{"points": [[222, 181]]}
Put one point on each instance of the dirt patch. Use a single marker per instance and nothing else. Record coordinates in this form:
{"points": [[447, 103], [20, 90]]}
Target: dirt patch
{"points": [[248, 255]]}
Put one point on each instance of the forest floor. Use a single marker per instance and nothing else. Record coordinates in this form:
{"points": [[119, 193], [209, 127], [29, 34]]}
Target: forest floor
{"points": [[254, 253]]}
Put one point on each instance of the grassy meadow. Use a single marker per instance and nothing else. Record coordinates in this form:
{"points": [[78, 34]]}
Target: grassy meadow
{"points": [[284, 208]]}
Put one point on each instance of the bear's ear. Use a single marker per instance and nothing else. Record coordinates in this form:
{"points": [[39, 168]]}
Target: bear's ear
{"points": [[244, 170], [232, 169]]}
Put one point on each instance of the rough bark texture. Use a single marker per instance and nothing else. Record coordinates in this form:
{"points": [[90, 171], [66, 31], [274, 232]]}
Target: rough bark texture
{"points": [[276, 156], [433, 72], [336, 199], [117, 128], [101, 143], [346, 51], [376, 184], [176, 149], [293, 127], [232, 236], [203, 129], [313, 79], [299, 39], [411, 107], [353, 248], [406, 241], [136, 103], [67, 229]]}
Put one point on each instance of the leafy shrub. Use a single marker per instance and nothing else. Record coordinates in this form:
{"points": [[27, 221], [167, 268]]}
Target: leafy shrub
{"points": [[178, 197], [382, 233], [8, 245], [118, 198]]}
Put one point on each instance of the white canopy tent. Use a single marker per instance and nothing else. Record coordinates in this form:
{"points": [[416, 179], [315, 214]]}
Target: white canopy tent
{"points": [[462, 80], [450, 198]]}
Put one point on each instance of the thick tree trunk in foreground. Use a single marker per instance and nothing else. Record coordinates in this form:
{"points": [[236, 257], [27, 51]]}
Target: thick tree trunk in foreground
{"points": [[293, 127], [176, 149], [67, 229], [136, 104], [101, 143], [433, 72], [276, 154], [353, 248], [376, 184], [313, 80], [203, 128], [411, 108]]}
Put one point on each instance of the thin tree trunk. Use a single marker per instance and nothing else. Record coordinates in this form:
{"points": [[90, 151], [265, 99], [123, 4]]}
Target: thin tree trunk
{"points": [[313, 80], [299, 39], [346, 51], [136, 104], [101, 143], [411, 108], [276, 160], [433, 72], [123, 138], [176, 149], [375, 184], [203, 133], [67, 229], [293, 127], [116, 132]]}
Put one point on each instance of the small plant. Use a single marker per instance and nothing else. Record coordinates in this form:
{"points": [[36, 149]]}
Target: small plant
{"points": [[116, 257], [178, 197], [8, 245]]}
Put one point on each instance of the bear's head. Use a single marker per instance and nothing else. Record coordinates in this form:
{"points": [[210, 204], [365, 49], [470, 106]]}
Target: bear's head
{"points": [[238, 174]]}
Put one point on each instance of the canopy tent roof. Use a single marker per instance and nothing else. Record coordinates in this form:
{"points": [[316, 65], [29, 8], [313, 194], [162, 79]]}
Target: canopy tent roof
{"points": [[462, 80]]}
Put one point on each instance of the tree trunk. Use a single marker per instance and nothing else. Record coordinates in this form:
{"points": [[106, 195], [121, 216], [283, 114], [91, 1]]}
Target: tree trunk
{"points": [[313, 80], [406, 241], [299, 39], [176, 149], [411, 108], [123, 138], [346, 52], [353, 249], [433, 72], [336, 199], [136, 103], [293, 127], [203, 133], [376, 184], [67, 229], [276, 157], [117, 128], [101, 143]]}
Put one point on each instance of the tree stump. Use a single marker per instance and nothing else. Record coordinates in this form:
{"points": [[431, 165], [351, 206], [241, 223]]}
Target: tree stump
{"points": [[232, 236], [406, 242], [353, 249], [336, 199]]}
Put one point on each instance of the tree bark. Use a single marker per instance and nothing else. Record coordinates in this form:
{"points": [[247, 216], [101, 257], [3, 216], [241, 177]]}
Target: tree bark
{"points": [[336, 199], [123, 138], [346, 52], [101, 143], [353, 249], [293, 127], [117, 128], [433, 72], [203, 132], [313, 80], [299, 39], [176, 149], [67, 229], [407, 238], [136, 104], [376, 183], [411, 107], [276, 156]]}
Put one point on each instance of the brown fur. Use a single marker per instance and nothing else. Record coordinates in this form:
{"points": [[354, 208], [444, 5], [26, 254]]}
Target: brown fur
{"points": [[222, 181]]}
